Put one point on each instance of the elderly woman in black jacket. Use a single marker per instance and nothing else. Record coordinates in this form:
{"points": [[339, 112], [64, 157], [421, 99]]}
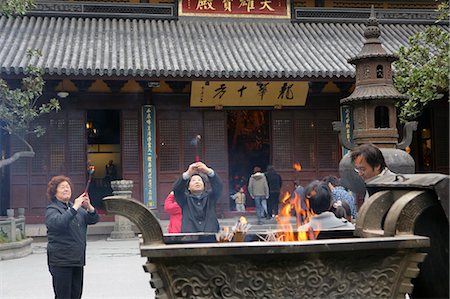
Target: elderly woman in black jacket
{"points": [[66, 231], [197, 204]]}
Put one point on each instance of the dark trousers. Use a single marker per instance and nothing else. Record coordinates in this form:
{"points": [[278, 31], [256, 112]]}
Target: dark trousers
{"points": [[272, 203], [67, 282]]}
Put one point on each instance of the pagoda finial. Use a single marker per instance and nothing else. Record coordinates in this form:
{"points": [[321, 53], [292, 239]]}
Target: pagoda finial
{"points": [[372, 30]]}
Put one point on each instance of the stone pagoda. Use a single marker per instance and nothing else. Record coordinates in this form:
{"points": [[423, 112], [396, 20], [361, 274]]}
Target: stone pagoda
{"points": [[372, 106]]}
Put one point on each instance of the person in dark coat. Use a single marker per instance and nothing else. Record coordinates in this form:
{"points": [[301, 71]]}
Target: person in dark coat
{"points": [[66, 232], [274, 180], [198, 205]]}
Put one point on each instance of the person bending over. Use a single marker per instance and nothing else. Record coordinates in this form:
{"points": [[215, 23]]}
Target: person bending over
{"points": [[319, 197], [339, 194]]}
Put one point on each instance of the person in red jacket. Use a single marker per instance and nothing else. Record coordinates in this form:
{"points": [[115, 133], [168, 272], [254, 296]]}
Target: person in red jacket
{"points": [[174, 210]]}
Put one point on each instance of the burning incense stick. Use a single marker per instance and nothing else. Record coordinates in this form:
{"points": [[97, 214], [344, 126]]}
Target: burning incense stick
{"points": [[224, 235], [195, 142], [241, 226], [91, 170], [240, 229]]}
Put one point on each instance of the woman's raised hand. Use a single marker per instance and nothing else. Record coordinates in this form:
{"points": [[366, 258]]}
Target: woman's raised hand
{"points": [[198, 167], [78, 202]]}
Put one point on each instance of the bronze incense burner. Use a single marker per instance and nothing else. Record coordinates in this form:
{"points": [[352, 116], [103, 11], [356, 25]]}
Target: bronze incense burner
{"points": [[378, 261]]}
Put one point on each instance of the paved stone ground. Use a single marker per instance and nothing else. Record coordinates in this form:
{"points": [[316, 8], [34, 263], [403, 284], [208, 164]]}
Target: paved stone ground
{"points": [[113, 270]]}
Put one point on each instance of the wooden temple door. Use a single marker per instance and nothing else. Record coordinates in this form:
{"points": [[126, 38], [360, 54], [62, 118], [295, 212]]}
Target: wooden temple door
{"points": [[60, 151], [130, 150], [305, 137], [176, 130]]}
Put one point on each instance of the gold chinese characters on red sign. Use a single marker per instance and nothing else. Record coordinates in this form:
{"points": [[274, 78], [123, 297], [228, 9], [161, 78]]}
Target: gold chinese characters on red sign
{"points": [[238, 8]]}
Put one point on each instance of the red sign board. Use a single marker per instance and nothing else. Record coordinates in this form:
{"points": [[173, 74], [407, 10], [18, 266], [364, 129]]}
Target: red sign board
{"points": [[239, 8]]}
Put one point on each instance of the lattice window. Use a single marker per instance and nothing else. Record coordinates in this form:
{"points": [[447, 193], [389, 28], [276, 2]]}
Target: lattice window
{"points": [[356, 4], [413, 5], [168, 141], [40, 162], [130, 145], [19, 166], [215, 143], [305, 143], [282, 143], [57, 159], [76, 144], [190, 128], [327, 145], [302, 3], [57, 139]]}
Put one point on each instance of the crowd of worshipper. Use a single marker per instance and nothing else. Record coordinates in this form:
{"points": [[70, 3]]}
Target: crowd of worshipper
{"points": [[192, 206]]}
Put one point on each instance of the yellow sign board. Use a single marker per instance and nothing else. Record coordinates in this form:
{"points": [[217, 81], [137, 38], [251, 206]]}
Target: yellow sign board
{"points": [[248, 93]]}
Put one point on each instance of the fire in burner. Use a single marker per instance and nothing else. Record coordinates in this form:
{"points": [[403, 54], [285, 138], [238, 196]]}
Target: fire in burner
{"points": [[303, 212]]}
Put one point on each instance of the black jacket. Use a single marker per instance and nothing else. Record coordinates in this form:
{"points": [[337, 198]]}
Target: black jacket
{"points": [[199, 213], [274, 181], [66, 232]]}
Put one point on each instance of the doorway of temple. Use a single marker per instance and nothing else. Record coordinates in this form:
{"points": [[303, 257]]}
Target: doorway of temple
{"points": [[103, 152], [248, 146]]}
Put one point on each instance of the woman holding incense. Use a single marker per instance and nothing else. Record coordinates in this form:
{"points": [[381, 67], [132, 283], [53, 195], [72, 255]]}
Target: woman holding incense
{"points": [[66, 231], [198, 204]]}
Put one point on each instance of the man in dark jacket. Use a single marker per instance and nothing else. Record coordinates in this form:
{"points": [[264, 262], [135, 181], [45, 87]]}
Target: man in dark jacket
{"points": [[197, 204], [66, 232], [275, 182]]}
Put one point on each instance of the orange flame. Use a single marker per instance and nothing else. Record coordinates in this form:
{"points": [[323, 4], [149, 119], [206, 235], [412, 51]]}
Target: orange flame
{"points": [[302, 216], [283, 219], [297, 166]]}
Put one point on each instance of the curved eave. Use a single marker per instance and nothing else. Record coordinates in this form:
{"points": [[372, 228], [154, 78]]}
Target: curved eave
{"points": [[386, 56], [374, 97]]}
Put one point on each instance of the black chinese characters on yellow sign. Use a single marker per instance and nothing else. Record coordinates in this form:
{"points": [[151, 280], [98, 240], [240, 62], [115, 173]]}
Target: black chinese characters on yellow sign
{"points": [[248, 93]]}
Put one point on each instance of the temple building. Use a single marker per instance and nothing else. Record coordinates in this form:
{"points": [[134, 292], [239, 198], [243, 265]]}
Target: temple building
{"points": [[151, 86]]}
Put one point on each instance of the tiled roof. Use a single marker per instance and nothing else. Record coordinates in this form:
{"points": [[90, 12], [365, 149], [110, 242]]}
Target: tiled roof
{"points": [[189, 47], [375, 91]]}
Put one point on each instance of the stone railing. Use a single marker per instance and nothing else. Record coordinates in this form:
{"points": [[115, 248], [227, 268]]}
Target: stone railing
{"points": [[12, 229], [13, 242]]}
